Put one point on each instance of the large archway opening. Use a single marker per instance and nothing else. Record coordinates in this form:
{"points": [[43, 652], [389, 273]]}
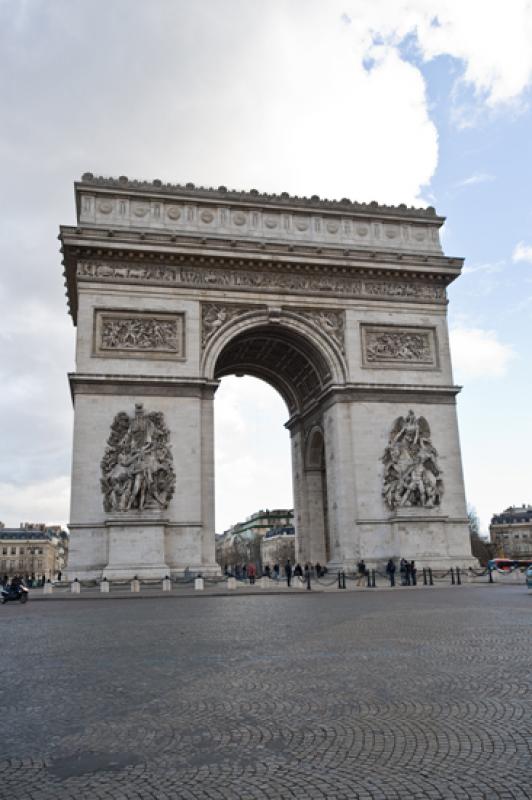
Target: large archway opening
{"points": [[252, 469]]}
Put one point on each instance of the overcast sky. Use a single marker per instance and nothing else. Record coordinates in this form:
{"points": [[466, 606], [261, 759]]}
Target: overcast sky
{"points": [[408, 101]]}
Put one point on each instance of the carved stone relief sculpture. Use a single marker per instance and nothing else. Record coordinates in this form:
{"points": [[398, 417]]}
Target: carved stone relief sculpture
{"points": [[138, 334], [215, 315], [330, 322], [137, 467], [392, 346], [411, 473]]}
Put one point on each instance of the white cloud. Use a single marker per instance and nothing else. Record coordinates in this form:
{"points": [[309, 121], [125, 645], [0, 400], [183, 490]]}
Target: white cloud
{"points": [[479, 177], [492, 41], [522, 252], [36, 501], [478, 353]]}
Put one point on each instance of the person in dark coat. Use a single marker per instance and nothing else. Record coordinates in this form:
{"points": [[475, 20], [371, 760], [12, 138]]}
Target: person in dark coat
{"points": [[288, 572], [390, 571]]}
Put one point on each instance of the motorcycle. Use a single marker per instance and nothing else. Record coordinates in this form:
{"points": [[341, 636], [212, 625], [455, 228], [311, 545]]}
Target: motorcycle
{"points": [[19, 593]]}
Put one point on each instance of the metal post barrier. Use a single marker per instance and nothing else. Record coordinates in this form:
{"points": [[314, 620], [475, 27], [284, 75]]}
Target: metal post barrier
{"points": [[424, 576], [309, 587], [368, 579], [458, 576], [414, 577], [343, 581], [452, 576], [372, 578], [431, 582], [339, 580]]}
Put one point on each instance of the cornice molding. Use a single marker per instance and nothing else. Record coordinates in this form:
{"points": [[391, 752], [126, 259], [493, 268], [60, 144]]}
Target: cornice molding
{"points": [[222, 193]]}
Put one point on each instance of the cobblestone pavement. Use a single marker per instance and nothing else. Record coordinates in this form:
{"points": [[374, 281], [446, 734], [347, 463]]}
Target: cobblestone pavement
{"points": [[422, 694]]}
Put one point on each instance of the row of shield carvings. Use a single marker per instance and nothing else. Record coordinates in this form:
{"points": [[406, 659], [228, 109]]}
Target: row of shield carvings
{"points": [[122, 332], [137, 468], [287, 225]]}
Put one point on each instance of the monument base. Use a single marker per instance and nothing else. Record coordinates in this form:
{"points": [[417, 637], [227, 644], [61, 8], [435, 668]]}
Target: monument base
{"points": [[136, 547]]}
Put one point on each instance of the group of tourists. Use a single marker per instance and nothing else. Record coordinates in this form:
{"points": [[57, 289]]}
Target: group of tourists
{"points": [[407, 572], [276, 573]]}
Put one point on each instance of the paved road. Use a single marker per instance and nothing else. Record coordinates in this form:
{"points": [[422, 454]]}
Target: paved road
{"points": [[417, 694]]}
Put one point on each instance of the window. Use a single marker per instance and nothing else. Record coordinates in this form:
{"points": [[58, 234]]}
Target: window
{"points": [[39, 564], [13, 551], [21, 551], [4, 551]]}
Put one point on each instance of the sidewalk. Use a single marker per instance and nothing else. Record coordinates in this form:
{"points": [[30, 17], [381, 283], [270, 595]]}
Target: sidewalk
{"points": [[244, 590]]}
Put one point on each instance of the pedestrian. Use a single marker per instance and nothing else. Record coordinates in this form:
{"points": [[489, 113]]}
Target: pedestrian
{"points": [[402, 570], [267, 571], [318, 569], [298, 571], [361, 572], [276, 571], [390, 571], [288, 572], [251, 572], [59, 576], [413, 573]]}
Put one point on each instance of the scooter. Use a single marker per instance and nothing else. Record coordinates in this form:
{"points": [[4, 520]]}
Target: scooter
{"points": [[19, 593]]}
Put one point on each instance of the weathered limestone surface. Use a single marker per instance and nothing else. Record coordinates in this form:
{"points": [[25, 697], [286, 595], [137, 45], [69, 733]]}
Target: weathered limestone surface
{"points": [[340, 306]]}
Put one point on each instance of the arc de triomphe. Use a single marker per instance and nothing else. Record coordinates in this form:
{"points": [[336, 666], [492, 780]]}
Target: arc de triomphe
{"points": [[340, 306]]}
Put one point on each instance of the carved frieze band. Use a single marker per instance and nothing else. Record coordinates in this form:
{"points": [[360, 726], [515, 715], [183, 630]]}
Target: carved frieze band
{"points": [[324, 283], [296, 226], [399, 347], [331, 323], [127, 334]]}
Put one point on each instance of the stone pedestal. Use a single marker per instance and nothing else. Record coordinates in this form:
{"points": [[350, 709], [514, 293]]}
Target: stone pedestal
{"points": [[104, 586], [167, 585], [231, 583], [75, 587], [136, 546], [199, 584], [47, 588]]}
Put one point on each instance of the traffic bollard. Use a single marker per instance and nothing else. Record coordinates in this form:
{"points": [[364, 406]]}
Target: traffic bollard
{"points": [[452, 576], [458, 576], [431, 582], [309, 587], [424, 576], [372, 578]]}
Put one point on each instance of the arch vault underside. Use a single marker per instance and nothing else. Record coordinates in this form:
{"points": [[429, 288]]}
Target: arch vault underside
{"points": [[341, 307]]}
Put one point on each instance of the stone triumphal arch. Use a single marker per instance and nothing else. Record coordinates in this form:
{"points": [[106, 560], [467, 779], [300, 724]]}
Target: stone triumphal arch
{"points": [[340, 306]]}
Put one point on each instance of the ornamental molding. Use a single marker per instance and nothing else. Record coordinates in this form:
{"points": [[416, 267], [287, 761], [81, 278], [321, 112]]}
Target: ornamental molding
{"points": [[123, 183], [134, 334], [399, 347], [412, 477], [137, 471], [322, 282], [254, 216]]}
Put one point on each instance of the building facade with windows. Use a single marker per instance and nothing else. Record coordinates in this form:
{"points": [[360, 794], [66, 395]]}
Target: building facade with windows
{"points": [[511, 532], [242, 542], [33, 551]]}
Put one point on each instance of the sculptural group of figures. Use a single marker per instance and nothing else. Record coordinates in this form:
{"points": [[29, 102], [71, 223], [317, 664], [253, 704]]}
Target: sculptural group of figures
{"points": [[411, 473], [139, 334], [137, 467]]}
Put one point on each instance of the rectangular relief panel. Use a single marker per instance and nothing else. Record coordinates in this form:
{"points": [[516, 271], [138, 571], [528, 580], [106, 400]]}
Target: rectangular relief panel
{"points": [[139, 334], [399, 347]]}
